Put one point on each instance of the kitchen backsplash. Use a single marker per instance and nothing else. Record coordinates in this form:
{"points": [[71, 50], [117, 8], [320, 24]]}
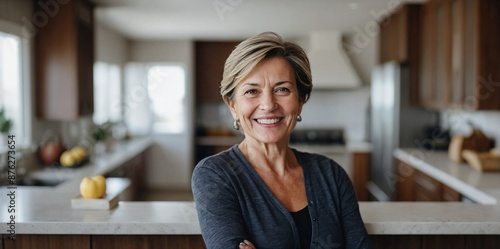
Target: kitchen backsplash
{"points": [[70, 133], [347, 109], [458, 122]]}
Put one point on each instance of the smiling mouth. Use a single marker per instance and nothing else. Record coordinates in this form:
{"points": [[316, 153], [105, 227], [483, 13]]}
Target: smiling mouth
{"points": [[268, 121]]}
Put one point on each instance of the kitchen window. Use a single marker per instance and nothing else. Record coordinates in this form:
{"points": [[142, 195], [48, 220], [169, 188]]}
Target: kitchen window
{"points": [[107, 93], [14, 81], [166, 90]]}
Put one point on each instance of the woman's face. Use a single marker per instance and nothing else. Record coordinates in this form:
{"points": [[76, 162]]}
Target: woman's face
{"points": [[266, 102]]}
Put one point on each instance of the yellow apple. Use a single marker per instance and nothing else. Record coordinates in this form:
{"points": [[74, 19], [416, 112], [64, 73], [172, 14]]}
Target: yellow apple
{"points": [[79, 153], [101, 184], [67, 159], [93, 188]]}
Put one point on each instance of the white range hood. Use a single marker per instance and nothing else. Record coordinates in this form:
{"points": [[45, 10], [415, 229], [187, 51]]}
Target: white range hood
{"points": [[330, 65]]}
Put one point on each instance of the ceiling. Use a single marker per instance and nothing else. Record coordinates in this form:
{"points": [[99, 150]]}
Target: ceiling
{"points": [[236, 19]]}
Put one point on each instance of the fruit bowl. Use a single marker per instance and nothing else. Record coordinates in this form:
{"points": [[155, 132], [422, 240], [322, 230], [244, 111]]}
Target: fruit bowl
{"points": [[73, 158], [57, 164]]}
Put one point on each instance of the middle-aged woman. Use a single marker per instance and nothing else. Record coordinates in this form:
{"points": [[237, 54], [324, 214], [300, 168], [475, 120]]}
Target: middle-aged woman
{"points": [[261, 193]]}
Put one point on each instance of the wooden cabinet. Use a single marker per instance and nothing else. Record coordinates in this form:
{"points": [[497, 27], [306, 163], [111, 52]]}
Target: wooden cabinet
{"points": [[150, 241], [41, 241], [414, 185], [44, 241], [361, 173], [133, 169], [460, 54], [399, 33], [64, 58], [399, 41], [210, 59], [434, 241], [426, 188]]}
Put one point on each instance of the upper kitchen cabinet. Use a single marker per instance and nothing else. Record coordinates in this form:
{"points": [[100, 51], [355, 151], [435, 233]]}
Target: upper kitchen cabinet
{"points": [[399, 36], [64, 58], [210, 59], [460, 54]]}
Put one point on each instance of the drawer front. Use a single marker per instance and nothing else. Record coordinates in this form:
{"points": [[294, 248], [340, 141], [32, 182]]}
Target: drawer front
{"points": [[426, 188], [450, 194]]}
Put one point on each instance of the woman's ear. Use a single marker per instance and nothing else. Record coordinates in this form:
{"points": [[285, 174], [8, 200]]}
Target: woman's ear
{"points": [[233, 110], [301, 103]]}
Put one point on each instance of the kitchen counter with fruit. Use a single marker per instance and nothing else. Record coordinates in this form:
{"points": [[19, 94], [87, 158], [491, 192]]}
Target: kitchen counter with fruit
{"points": [[479, 187], [36, 205], [47, 210]]}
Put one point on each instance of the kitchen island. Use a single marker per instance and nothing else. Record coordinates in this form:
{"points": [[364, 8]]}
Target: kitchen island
{"points": [[45, 219]]}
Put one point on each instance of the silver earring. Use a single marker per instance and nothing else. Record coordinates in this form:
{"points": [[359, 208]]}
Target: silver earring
{"points": [[299, 118], [236, 124]]}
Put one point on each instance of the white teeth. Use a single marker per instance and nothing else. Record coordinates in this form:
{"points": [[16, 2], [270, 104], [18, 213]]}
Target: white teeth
{"points": [[268, 121]]}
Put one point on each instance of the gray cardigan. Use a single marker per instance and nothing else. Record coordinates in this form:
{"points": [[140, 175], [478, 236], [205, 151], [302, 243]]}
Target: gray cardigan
{"points": [[233, 204]]}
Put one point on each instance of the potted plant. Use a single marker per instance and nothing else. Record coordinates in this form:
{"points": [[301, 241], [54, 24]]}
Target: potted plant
{"points": [[100, 134], [5, 125]]}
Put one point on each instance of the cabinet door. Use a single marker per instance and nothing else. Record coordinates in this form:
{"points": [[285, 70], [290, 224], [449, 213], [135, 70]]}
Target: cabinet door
{"points": [[85, 70], [404, 187], [450, 194], [133, 169], [436, 52], [460, 55], [210, 59], [64, 57], [149, 241], [487, 81], [457, 14], [441, 85], [44, 241], [360, 173], [427, 67], [426, 188], [470, 53]]}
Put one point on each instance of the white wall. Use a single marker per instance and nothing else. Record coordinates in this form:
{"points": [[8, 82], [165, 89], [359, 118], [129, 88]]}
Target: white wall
{"points": [[170, 160], [110, 46]]}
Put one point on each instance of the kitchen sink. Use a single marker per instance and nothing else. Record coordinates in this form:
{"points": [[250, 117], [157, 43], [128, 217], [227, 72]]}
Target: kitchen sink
{"points": [[28, 181], [46, 177]]}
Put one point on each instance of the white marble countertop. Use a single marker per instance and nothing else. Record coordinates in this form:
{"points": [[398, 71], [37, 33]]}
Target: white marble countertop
{"points": [[180, 218], [480, 187], [46, 210]]}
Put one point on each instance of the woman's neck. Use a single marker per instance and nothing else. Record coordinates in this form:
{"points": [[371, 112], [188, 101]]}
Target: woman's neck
{"points": [[273, 158]]}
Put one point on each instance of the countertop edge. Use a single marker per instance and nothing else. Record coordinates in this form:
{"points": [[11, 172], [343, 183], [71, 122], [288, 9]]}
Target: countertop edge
{"points": [[380, 218]]}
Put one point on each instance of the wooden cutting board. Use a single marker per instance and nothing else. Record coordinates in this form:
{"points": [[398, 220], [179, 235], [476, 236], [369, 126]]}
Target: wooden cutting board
{"points": [[114, 187], [477, 141], [482, 161]]}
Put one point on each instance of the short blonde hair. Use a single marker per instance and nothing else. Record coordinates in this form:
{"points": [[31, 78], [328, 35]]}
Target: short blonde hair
{"points": [[250, 52]]}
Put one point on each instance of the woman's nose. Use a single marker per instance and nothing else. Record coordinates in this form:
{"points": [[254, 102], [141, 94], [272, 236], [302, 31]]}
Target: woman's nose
{"points": [[268, 102]]}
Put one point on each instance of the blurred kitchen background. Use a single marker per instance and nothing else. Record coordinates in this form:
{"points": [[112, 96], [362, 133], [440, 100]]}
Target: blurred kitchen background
{"points": [[151, 69]]}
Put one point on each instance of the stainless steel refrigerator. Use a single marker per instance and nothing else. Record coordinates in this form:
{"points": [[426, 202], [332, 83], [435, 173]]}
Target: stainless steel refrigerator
{"points": [[394, 123]]}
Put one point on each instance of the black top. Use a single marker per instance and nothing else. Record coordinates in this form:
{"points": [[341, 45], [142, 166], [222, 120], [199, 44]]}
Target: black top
{"points": [[303, 222]]}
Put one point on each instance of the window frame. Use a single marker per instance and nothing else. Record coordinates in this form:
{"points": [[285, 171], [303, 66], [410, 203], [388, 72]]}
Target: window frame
{"points": [[26, 83]]}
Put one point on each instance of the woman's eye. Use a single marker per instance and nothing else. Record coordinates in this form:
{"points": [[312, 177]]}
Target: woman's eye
{"points": [[250, 92], [282, 90]]}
